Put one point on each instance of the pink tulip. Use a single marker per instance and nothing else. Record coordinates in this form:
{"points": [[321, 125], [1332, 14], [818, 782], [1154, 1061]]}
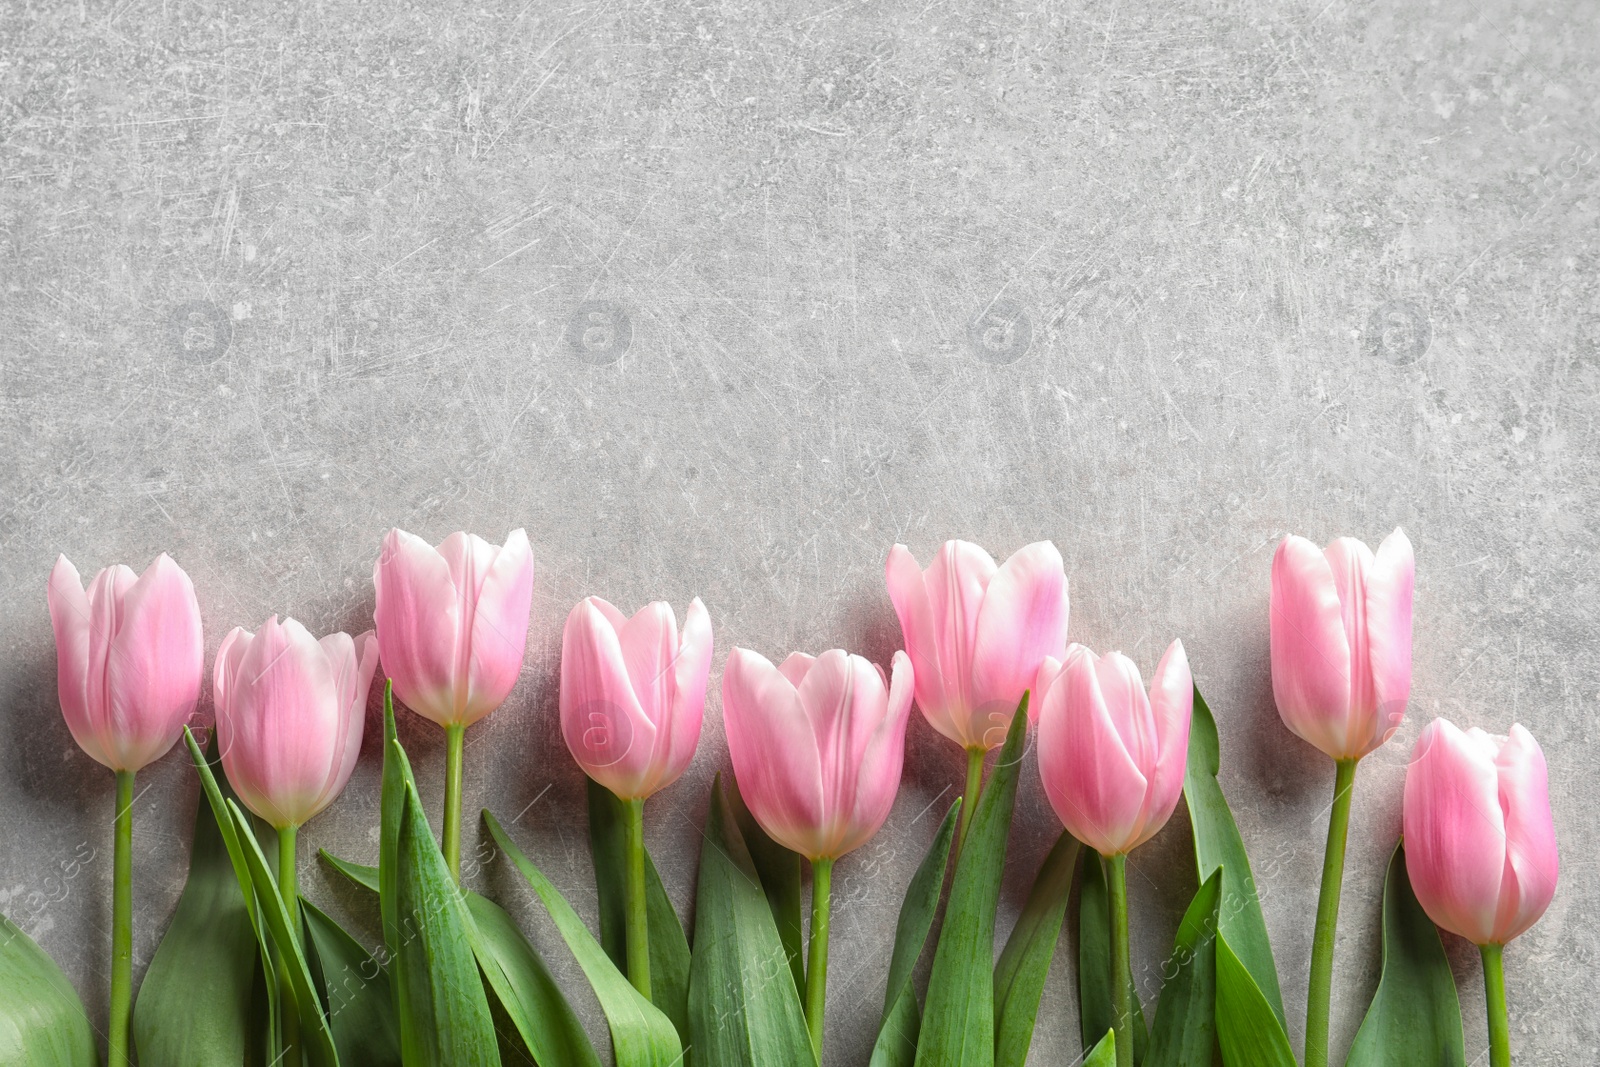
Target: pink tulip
{"points": [[633, 693], [452, 622], [817, 745], [290, 712], [129, 655], [1341, 641], [1480, 839], [1111, 758], [977, 634]]}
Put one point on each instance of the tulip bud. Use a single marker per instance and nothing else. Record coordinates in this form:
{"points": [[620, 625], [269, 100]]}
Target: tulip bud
{"points": [[290, 713], [129, 655], [1341, 641], [1112, 758], [633, 693], [452, 622], [1480, 838], [817, 745], [977, 634]]}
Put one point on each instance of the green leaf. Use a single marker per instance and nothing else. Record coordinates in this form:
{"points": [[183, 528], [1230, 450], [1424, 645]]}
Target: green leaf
{"points": [[902, 1018], [194, 1006], [444, 1013], [1025, 962], [526, 991], [1415, 1017], [1104, 1054], [743, 1010], [779, 871], [1185, 1033], [958, 1027], [669, 948], [1095, 1012], [641, 1036], [359, 873], [355, 992], [318, 1040], [1217, 844], [42, 1021], [1247, 1029]]}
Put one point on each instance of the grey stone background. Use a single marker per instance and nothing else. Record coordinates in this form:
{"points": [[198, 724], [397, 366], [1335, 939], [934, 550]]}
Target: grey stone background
{"points": [[723, 299]]}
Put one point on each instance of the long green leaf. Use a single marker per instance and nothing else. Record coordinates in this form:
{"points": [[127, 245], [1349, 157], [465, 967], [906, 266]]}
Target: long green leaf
{"points": [[779, 871], [526, 991], [1185, 1032], [669, 947], [1095, 1012], [445, 1018], [958, 1023], [1104, 1053], [362, 875], [42, 1021], [641, 1035], [269, 1047], [1217, 844], [355, 993], [1247, 1030], [902, 1017], [1024, 963], [194, 1004], [743, 1010], [1415, 1017], [318, 1040]]}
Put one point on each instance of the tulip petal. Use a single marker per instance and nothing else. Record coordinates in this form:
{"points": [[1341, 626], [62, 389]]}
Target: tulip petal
{"points": [[1023, 619], [876, 775], [1532, 861], [1122, 690], [795, 667], [774, 754], [956, 582], [605, 728], [1310, 654], [691, 672], [1172, 708], [1096, 789], [499, 638], [1049, 671], [909, 593], [418, 619], [70, 619], [1454, 831], [1389, 595], [155, 663]]}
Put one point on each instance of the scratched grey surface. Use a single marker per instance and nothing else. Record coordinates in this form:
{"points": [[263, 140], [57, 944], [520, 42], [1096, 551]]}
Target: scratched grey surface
{"points": [[724, 299]]}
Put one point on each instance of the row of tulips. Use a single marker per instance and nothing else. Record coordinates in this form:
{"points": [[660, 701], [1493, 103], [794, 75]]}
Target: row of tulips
{"points": [[816, 745]]}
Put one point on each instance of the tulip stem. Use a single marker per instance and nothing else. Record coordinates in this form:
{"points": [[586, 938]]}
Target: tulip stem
{"points": [[1494, 991], [122, 923], [289, 891], [638, 929], [1121, 968], [817, 960], [454, 734], [969, 802], [1321, 989]]}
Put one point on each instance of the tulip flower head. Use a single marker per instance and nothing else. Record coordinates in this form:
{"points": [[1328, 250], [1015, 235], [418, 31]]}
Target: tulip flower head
{"points": [[633, 693], [129, 657], [290, 713], [1480, 838], [817, 745], [1341, 641], [1112, 757], [452, 621], [976, 633]]}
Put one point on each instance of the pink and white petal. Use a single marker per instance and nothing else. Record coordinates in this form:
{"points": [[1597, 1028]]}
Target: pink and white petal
{"points": [[649, 643], [1350, 561], [1095, 787], [908, 593], [691, 674], [795, 667], [1172, 708], [606, 730], [1127, 707], [774, 754], [1022, 620], [1454, 831], [956, 582], [106, 592], [156, 663], [1310, 654], [1049, 671], [1389, 596], [419, 625], [1533, 863], [70, 619], [499, 636]]}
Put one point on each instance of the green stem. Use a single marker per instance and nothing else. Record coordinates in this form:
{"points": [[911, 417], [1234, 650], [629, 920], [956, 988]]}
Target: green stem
{"points": [[1494, 991], [122, 924], [1321, 990], [817, 961], [638, 928], [969, 803], [289, 890], [1121, 968], [454, 735]]}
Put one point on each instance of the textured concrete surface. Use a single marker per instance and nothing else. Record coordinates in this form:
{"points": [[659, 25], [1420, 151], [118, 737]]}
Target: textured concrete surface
{"points": [[722, 299]]}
